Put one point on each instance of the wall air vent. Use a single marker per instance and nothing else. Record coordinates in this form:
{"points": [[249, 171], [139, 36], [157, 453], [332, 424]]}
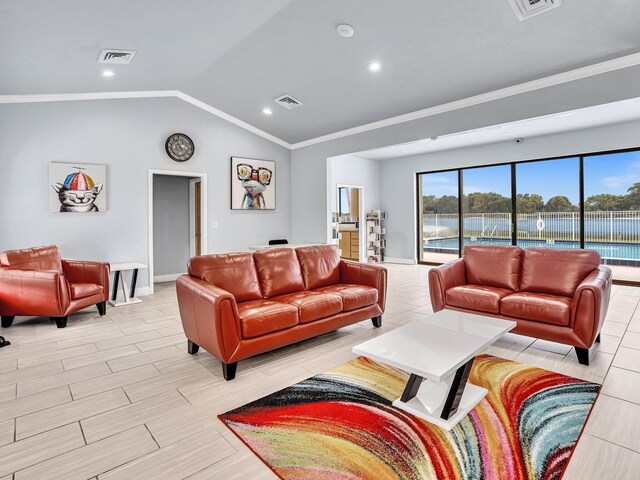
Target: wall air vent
{"points": [[121, 57], [288, 102], [525, 9]]}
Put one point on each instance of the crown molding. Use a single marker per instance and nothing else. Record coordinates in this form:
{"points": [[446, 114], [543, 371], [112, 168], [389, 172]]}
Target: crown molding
{"points": [[558, 79], [70, 97]]}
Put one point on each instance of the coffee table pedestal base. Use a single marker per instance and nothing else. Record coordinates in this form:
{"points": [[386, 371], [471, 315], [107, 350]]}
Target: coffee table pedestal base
{"points": [[470, 398]]}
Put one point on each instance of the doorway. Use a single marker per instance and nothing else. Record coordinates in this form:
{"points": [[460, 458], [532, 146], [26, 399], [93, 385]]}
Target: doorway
{"points": [[177, 222], [351, 222]]}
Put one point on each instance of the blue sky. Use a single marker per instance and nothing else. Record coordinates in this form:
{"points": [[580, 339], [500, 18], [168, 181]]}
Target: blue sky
{"points": [[603, 174]]}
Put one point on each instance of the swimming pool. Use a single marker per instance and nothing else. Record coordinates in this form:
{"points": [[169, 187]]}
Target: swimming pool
{"points": [[612, 253]]}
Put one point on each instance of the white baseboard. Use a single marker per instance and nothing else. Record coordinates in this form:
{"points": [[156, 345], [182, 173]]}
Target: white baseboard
{"points": [[166, 278], [403, 261]]}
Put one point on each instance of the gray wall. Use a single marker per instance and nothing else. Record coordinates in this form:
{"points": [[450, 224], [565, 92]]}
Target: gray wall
{"points": [[397, 177], [171, 239], [128, 136], [311, 204]]}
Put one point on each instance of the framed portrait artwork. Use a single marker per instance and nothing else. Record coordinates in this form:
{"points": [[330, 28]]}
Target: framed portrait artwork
{"points": [[77, 188], [253, 184]]}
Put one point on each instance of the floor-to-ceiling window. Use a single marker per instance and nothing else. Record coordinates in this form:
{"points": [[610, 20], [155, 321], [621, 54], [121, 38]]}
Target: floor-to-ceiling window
{"points": [[584, 201], [486, 205], [548, 203], [438, 230]]}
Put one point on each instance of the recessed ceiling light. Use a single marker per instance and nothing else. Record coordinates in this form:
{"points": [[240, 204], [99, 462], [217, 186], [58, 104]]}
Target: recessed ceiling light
{"points": [[374, 67], [107, 73], [267, 111]]}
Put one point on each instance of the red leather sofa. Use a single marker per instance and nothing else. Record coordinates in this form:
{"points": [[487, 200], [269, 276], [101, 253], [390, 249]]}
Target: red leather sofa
{"points": [[37, 282], [241, 304], [554, 294]]}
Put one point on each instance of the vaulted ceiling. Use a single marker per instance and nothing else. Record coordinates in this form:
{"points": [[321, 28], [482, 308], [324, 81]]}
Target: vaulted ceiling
{"points": [[239, 55]]}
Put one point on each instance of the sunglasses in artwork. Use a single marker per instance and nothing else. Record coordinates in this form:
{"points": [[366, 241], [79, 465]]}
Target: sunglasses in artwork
{"points": [[247, 172]]}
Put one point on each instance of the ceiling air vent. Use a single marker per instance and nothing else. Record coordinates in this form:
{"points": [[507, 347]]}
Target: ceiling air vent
{"points": [[288, 102], [525, 9], [112, 56]]}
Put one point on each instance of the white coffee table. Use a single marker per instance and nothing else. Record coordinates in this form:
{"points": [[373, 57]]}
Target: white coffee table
{"points": [[438, 351]]}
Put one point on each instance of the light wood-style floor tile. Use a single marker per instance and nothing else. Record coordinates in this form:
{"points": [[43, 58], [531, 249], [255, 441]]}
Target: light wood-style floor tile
{"points": [[33, 403], [50, 356], [596, 459], [165, 383], [23, 453], [162, 342], [28, 373], [628, 358], [631, 340], [176, 461], [93, 459], [8, 392], [53, 417], [613, 328], [143, 358], [615, 421], [242, 465], [126, 340], [117, 420], [99, 357], [67, 377], [622, 384], [7, 431], [113, 380]]}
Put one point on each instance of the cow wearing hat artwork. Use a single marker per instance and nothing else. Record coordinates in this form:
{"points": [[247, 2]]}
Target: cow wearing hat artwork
{"points": [[78, 192]]}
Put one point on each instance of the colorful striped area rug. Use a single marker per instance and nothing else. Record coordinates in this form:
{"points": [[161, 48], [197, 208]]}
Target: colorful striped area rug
{"points": [[340, 425]]}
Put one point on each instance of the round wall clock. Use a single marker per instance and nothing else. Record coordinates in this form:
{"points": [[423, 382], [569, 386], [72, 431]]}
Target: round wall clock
{"points": [[179, 147]]}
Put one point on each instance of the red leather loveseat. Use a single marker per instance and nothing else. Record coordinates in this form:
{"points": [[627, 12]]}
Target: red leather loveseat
{"points": [[554, 294], [37, 282], [241, 304]]}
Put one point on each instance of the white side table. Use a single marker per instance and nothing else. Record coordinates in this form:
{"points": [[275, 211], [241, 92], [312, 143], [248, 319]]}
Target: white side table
{"points": [[119, 270]]}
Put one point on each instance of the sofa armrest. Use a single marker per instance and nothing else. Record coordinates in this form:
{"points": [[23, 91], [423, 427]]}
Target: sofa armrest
{"points": [[444, 277], [366, 274], [209, 316], [33, 292], [590, 304], [78, 271]]}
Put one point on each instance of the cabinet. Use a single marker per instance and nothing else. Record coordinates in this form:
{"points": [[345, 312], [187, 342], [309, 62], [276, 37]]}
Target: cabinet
{"points": [[350, 244]]}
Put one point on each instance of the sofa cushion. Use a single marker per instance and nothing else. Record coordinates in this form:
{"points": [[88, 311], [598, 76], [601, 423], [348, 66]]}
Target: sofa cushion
{"points": [[556, 271], [37, 258], [233, 272], [353, 296], [260, 317], [312, 305], [279, 271], [83, 290], [538, 307], [494, 266], [477, 297], [320, 265]]}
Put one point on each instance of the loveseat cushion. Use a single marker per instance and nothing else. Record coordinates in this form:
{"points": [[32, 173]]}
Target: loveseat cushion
{"points": [[493, 266], [83, 290], [556, 271], [233, 272], [353, 296], [260, 317], [538, 307], [279, 272], [45, 258], [312, 305], [320, 265], [477, 297]]}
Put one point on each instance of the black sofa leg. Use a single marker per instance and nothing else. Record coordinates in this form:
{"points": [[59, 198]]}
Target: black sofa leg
{"points": [[229, 370], [192, 348], [4, 343], [61, 322], [583, 355], [598, 339], [102, 308], [7, 321], [377, 321]]}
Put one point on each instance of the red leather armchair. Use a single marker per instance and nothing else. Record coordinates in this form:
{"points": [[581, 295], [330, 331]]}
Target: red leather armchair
{"points": [[241, 304], [554, 294], [37, 282]]}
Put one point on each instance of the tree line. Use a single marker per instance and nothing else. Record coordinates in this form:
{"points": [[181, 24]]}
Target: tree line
{"points": [[492, 202]]}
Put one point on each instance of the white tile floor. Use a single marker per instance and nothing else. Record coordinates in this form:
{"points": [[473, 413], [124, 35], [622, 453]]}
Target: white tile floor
{"points": [[118, 397]]}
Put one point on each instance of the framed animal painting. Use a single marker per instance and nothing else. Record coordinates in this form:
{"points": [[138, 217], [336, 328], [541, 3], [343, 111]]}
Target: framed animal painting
{"points": [[253, 184], [77, 188]]}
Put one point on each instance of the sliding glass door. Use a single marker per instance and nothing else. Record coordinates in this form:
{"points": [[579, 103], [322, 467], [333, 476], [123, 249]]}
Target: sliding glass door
{"points": [[438, 224], [584, 201], [548, 203]]}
